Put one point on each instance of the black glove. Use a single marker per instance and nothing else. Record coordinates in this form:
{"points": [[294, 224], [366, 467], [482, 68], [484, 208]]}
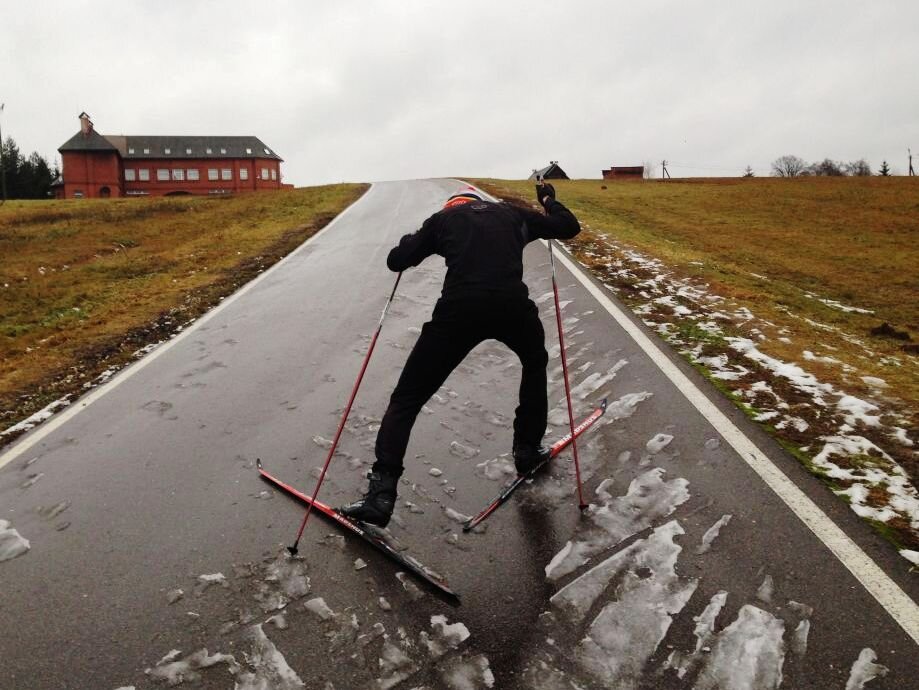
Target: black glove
{"points": [[545, 193]]}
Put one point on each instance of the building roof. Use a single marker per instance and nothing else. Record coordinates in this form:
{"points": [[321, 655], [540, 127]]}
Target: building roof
{"points": [[147, 147], [200, 147], [553, 170], [93, 141]]}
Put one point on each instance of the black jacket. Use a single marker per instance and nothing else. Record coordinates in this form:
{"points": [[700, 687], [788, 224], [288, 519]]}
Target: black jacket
{"points": [[482, 244]]}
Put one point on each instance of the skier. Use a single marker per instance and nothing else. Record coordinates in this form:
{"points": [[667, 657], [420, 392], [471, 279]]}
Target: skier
{"points": [[483, 297]]}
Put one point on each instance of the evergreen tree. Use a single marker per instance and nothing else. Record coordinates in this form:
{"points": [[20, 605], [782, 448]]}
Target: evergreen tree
{"points": [[26, 178], [749, 172], [885, 169]]}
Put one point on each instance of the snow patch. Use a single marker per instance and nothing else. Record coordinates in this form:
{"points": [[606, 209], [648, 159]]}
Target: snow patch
{"points": [[864, 670], [747, 655], [12, 544], [649, 498]]}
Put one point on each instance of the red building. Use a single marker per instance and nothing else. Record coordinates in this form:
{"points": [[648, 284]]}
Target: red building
{"points": [[97, 165], [626, 172]]}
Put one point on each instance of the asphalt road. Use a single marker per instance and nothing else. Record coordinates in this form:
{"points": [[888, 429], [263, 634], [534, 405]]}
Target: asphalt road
{"points": [[154, 484]]}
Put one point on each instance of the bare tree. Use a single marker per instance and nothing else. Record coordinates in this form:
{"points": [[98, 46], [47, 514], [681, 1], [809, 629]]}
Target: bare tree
{"points": [[859, 168], [788, 166], [826, 168]]}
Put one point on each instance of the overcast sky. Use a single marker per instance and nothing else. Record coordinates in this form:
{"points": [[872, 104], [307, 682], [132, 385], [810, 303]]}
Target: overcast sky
{"points": [[357, 90]]}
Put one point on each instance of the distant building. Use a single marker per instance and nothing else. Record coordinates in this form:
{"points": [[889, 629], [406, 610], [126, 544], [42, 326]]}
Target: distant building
{"points": [[553, 171], [624, 172], [98, 165]]}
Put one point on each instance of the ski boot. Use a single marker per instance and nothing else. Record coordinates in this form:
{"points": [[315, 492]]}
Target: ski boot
{"points": [[528, 457], [377, 504]]}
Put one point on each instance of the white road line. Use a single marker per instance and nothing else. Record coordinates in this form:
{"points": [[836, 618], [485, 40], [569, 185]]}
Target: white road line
{"points": [[896, 602], [81, 404]]}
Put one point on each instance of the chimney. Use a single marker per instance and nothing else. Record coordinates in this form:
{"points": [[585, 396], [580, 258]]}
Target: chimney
{"points": [[86, 125]]}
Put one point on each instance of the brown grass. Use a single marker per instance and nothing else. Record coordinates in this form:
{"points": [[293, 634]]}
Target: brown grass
{"points": [[84, 283], [854, 240]]}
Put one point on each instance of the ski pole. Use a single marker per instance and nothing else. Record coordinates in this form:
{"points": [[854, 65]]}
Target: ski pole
{"points": [[561, 339], [344, 417]]}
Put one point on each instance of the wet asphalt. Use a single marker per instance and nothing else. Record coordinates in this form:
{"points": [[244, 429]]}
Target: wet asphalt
{"points": [[160, 480]]}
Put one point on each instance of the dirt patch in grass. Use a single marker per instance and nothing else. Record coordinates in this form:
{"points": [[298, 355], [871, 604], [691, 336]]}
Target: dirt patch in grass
{"points": [[94, 285], [796, 300]]}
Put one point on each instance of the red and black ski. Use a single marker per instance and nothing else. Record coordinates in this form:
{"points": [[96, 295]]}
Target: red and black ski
{"points": [[557, 448], [365, 532]]}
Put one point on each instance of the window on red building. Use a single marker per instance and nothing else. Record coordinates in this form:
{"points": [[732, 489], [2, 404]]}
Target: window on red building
{"points": [[264, 173], [162, 174], [226, 174], [178, 174], [274, 174], [193, 174], [244, 173], [129, 174], [143, 175], [212, 173]]}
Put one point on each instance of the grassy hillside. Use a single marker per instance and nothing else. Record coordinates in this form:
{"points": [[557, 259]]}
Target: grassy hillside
{"points": [[86, 283], [798, 298]]}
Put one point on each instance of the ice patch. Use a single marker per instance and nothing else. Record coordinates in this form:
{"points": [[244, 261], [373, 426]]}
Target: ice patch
{"points": [[467, 674], [395, 666], [766, 590], [658, 443], [911, 556], [628, 630], [12, 544], [318, 607], [445, 637], [497, 468], [711, 534], [205, 582], [463, 451], [649, 498], [747, 655], [270, 669], [864, 670], [176, 672]]}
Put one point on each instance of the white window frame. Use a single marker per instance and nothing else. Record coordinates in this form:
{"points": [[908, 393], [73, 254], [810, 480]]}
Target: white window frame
{"points": [[146, 152], [167, 151], [244, 173], [187, 152], [274, 175], [264, 173], [130, 175], [249, 152], [178, 175], [213, 174], [226, 173], [162, 174], [143, 174], [193, 174], [223, 151], [209, 151], [130, 150]]}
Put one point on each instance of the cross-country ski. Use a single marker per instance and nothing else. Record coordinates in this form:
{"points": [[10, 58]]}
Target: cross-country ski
{"points": [[368, 533]]}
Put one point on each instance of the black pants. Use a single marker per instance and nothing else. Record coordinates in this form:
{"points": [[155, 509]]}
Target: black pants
{"points": [[455, 328]]}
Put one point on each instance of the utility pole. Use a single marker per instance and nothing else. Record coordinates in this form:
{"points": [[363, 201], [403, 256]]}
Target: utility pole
{"points": [[664, 172], [2, 164], [912, 173]]}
